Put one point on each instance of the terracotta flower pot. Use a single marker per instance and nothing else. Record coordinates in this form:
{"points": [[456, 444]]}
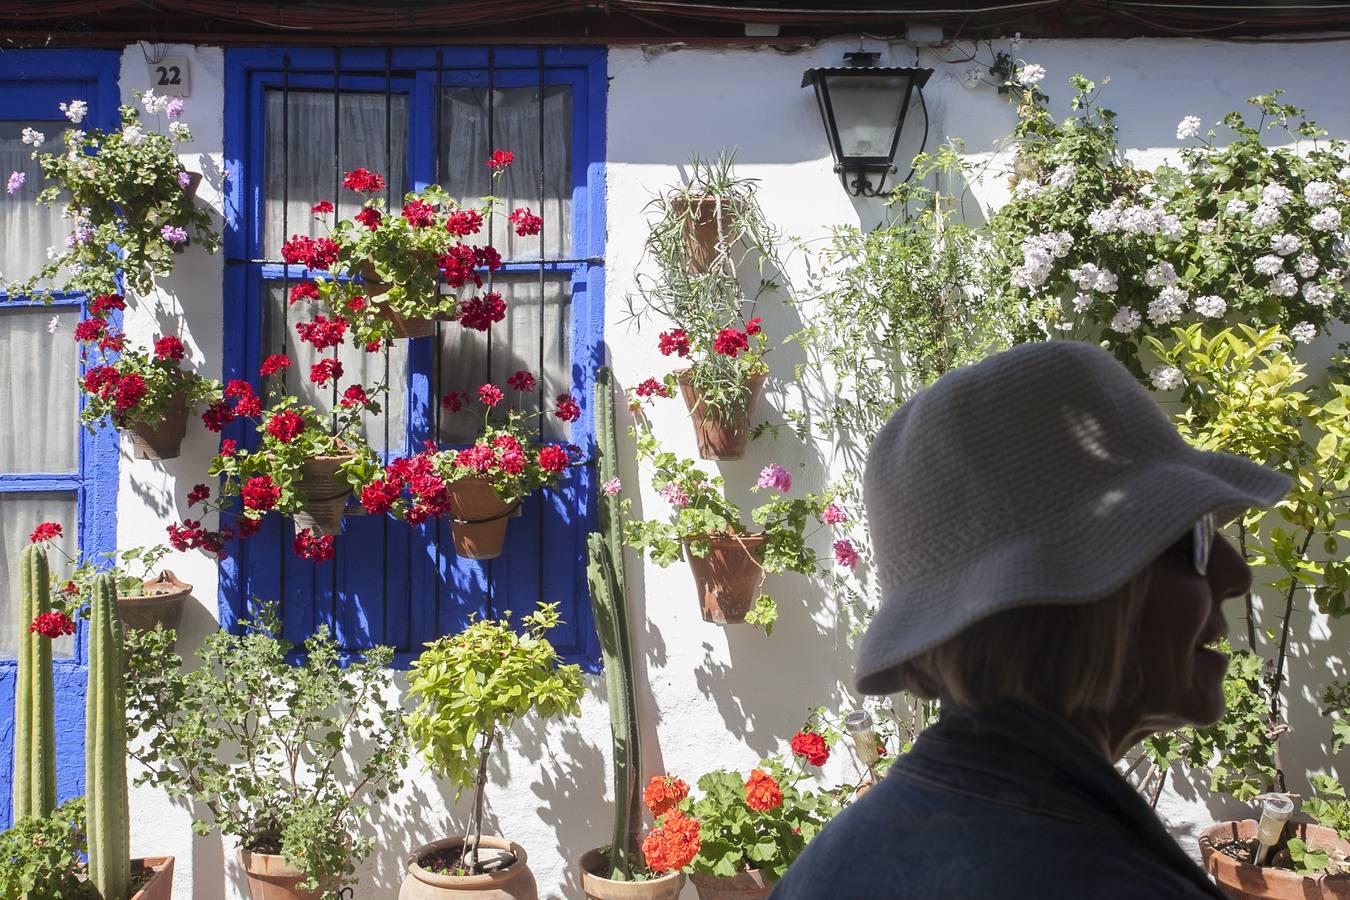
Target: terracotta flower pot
{"points": [[478, 518], [160, 885], [160, 604], [1244, 881], [515, 882], [165, 440], [702, 227], [719, 438], [325, 496], [597, 887], [743, 886], [270, 877], [404, 326], [728, 577]]}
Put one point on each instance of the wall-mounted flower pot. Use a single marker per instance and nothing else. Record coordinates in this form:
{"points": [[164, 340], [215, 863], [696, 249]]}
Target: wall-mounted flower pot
{"points": [[478, 518], [1243, 881], [160, 885], [513, 882], [404, 326], [325, 496], [728, 577], [270, 877], [598, 887], [161, 603], [165, 440], [704, 225], [720, 437], [743, 886]]}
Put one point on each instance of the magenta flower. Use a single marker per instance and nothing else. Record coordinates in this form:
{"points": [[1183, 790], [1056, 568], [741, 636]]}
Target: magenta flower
{"points": [[16, 180], [834, 515], [173, 234], [612, 487], [775, 477], [175, 108], [184, 179], [674, 495], [845, 554]]}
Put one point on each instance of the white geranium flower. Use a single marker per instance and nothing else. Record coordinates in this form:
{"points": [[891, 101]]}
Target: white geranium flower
{"points": [[1344, 174], [1125, 320], [1188, 128], [1104, 221], [1160, 275], [1317, 295], [1166, 378], [1167, 306], [1030, 75], [52, 253], [1211, 306], [1062, 177], [1284, 285], [53, 324], [1275, 195], [1016, 41], [1264, 216], [973, 77], [1237, 206], [1306, 266], [75, 110], [1319, 193], [133, 135], [154, 104], [1081, 302], [34, 137], [1329, 219], [1268, 264], [1206, 226], [1107, 282], [180, 131], [1303, 332], [1026, 189], [1284, 244]]}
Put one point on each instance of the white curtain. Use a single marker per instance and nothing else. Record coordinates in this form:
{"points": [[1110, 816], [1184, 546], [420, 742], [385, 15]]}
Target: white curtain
{"points": [[26, 229], [39, 401], [464, 355], [309, 168], [465, 149], [20, 513]]}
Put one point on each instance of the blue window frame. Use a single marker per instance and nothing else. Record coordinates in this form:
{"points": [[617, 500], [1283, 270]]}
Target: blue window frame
{"points": [[32, 85], [390, 583]]}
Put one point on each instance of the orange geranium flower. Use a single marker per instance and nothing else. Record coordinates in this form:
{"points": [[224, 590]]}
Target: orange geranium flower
{"points": [[672, 844], [762, 793], [663, 792]]}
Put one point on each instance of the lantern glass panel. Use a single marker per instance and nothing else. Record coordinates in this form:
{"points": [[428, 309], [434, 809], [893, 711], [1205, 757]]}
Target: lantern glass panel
{"points": [[867, 112]]}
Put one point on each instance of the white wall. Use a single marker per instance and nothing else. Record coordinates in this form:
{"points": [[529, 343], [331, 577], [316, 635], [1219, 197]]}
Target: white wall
{"points": [[710, 696]]}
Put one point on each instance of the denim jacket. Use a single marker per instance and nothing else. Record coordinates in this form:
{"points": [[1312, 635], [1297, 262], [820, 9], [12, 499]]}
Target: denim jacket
{"points": [[1009, 803]]}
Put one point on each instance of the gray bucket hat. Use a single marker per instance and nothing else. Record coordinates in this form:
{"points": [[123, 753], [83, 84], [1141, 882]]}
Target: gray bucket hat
{"points": [[1043, 474]]}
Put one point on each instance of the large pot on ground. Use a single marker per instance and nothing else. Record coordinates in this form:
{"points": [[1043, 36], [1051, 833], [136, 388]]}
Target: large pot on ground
{"points": [[1243, 881], [743, 886], [160, 603], [270, 877], [165, 440], [719, 437], [598, 887], [704, 224], [514, 882], [325, 496], [160, 885], [404, 326], [478, 518], [728, 578]]}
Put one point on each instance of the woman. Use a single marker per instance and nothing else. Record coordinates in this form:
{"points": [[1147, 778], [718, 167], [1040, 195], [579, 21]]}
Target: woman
{"points": [[1049, 570]]}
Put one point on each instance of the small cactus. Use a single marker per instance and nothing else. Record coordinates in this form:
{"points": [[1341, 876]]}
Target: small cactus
{"points": [[105, 748], [34, 713]]}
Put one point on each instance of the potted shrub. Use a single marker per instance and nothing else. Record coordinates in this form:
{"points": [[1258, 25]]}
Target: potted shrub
{"points": [[401, 260], [130, 201], [146, 599], [470, 688], [147, 395], [728, 560], [283, 756], [44, 856]]}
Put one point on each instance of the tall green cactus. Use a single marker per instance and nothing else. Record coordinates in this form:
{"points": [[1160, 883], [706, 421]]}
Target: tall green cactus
{"points": [[609, 602], [34, 714], [105, 748]]}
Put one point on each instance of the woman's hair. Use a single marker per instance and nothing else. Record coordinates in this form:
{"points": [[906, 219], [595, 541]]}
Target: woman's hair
{"points": [[1063, 658]]}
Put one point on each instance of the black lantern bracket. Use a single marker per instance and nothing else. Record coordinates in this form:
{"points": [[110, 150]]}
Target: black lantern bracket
{"points": [[863, 107]]}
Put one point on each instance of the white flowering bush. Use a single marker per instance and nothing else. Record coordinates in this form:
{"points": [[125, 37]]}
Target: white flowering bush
{"points": [[127, 198]]}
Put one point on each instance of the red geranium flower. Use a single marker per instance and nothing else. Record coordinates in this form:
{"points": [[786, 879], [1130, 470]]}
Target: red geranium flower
{"points": [[419, 213], [237, 387], [217, 416], [464, 222], [247, 527], [522, 381], [101, 380], [305, 290], [114, 342], [316, 548], [170, 347], [811, 747], [730, 342], [489, 395], [323, 206], [457, 266], [190, 535], [130, 391], [355, 396], [370, 217], [672, 844], [323, 332], [53, 625], [260, 493], [652, 388], [198, 493], [487, 256], [286, 425], [47, 531], [453, 401], [378, 497], [500, 159], [363, 181], [480, 313], [228, 446], [103, 303], [357, 303], [275, 363], [663, 793], [526, 222], [553, 458], [676, 341], [87, 330], [762, 792], [325, 370], [568, 409], [250, 406], [313, 253], [752, 327]]}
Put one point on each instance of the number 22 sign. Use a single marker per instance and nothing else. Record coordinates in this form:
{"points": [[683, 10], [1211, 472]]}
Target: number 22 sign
{"points": [[171, 76]]}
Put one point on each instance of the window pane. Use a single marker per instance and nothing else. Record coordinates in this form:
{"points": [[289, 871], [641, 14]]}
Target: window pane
{"points": [[309, 168], [19, 515], [27, 229], [357, 366], [468, 358], [465, 148], [39, 401]]}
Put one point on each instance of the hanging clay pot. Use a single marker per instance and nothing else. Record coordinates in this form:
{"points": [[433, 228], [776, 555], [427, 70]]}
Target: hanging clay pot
{"points": [[704, 225], [270, 877], [164, 440], [728, 577], [478, 517], [719, 437], [404, 326], [325, 496], [160, 885], [597, 887], [741, 886], [514, 881], [160, 603]]}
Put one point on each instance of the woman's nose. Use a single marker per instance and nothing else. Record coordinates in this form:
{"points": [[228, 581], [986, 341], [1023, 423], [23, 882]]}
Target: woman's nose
{"points": [[1229, 574]]}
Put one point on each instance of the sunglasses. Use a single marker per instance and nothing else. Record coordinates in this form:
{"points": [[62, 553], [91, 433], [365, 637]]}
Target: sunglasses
{"points": [[1201, 537]]}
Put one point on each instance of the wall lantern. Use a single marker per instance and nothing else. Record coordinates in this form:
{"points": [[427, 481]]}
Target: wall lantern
{"points": [[863, 106]]}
